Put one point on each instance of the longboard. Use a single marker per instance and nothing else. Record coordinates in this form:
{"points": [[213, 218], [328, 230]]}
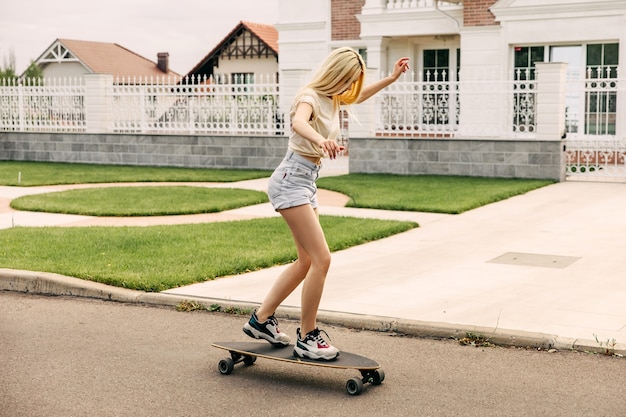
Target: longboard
{"points": [[248, 352]]}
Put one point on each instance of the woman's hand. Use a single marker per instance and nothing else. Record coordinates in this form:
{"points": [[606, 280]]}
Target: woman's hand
{"points": [[331, 148], [400, 67]]}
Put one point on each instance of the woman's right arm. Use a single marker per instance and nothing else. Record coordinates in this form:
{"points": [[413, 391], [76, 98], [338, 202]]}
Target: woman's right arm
{"points": [[300, 125]]}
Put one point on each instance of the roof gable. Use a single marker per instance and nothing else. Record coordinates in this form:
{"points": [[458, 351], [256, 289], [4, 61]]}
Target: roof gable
{"points": [[247, 40], [102, 58]]}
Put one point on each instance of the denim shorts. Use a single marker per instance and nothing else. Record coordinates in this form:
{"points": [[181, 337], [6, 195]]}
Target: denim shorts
{"points": [[293, 183]]}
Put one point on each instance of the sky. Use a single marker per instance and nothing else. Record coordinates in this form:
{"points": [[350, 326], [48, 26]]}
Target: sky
{"points": [[187, 29]]}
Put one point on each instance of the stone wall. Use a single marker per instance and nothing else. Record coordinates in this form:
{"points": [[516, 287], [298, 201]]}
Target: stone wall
{"points": [[234, 152], [485, 158], [466, 157]]}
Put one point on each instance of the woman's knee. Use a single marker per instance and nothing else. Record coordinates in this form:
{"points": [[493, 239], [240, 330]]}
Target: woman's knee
{"points": [[303, 263], [322, 260]]}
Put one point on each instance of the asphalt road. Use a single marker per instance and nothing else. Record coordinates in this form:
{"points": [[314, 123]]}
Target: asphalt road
{"points": [[78, 357]]}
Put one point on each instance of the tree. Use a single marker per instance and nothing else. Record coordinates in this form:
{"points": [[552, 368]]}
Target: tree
{"points": [[7, 72], [33, 71], [8, 68]]}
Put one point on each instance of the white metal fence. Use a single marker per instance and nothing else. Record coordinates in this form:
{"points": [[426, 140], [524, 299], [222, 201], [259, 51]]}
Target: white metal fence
{"points": [[139, 105], [436, 107], [596, 150], [51, 105], [213, 105]]}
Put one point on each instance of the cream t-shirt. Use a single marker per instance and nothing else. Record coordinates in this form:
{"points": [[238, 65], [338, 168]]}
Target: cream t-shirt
{"points": [[324, 119]]}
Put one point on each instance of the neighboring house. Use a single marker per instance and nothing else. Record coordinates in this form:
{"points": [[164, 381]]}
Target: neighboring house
{"points": [[75, 58], [248, 52]]}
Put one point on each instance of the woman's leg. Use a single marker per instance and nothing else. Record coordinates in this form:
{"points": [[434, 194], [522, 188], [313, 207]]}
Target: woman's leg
{"points": [[303, 221], [286, 282], [311, 266]]}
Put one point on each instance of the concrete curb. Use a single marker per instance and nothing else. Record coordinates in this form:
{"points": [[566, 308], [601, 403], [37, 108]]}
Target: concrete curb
{"points": [[45, 283]]}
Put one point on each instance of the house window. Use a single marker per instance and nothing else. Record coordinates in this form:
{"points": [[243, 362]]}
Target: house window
{"points": [[525, 58], [601, 103], [602, 60], [524, 98], [363, 53], [595, 105], [436, 65], [242, 78], [439, 101]]}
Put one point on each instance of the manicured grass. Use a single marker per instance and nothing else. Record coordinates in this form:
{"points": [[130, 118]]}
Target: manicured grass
{"points": [[161, 257], [140, 201], [47, 173], [436, 194]]}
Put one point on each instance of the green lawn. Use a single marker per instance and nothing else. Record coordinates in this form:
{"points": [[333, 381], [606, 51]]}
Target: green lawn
{"points": [[157, 258], [160, 257], [140, 201], [27, 174], [428, 193]]}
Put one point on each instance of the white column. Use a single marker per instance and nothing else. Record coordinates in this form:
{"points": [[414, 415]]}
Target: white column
{"points": [[98, 102], [550, 101], [304, 38], [484, 104], [365, 123]]}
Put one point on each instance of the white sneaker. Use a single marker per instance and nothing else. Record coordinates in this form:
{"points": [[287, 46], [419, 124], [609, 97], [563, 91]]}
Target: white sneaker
{"points": [[314, 346], [267, 330]]}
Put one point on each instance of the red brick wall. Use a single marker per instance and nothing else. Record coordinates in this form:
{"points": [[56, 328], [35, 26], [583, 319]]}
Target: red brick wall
{"points": [[476, 13], [344, 24]]}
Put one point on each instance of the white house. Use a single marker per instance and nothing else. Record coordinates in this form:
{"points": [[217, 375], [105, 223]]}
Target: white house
{"points": [[475, 65]]}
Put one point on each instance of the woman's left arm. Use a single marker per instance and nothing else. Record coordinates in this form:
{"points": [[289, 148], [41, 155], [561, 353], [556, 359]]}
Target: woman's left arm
{"points": [[399, 68]]}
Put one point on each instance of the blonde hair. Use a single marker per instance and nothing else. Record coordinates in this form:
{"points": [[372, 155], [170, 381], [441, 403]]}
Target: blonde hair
{"points": [[340, 76]]}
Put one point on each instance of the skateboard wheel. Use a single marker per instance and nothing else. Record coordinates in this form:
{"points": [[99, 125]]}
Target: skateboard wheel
{"points": [[378, 376], [226, 366], [249, 360], [354, 386]]}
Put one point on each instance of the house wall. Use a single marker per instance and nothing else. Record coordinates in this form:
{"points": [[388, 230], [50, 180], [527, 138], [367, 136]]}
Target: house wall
{"points": [[227, 152], [262, 67], [66, 69], [304, 42], [477, 13], [344, 24]]}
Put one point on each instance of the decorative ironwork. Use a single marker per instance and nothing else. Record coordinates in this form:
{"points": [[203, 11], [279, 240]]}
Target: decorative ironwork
{"points": [[601, 157], [42, 105], [524, 99], [418, 107], [198, 105]]}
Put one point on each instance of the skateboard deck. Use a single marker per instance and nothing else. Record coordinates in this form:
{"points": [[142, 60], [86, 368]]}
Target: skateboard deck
{"points": [[248, 352]]}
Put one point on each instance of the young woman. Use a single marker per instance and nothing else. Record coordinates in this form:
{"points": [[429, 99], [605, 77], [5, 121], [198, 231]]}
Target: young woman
{"points": [[292, 192]]}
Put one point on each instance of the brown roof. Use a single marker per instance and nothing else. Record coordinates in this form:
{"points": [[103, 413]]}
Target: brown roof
{"points": [[111, 58], [267, 34]]}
